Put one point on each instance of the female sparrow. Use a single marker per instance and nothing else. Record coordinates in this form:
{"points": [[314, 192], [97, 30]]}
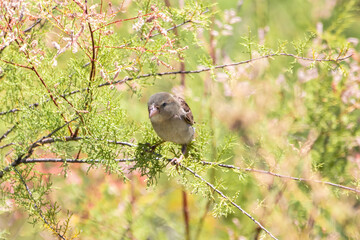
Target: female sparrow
{"points": [[171, 119]]}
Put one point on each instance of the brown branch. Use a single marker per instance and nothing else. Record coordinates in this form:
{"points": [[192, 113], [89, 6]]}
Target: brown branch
{"points": [[93, 59], [36, 22], [60, 160], [51, 96], [172, 28], [93, 65], [16, 64], [281, 176], [185, 209]]}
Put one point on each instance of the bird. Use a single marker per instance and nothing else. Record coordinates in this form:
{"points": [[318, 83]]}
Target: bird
{"points": [[171, 119]]}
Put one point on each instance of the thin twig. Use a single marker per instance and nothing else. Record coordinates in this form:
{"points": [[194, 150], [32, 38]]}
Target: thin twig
{"points": [[189, 72], [93, 68], [228, 199], [281, 176], [36, 22], [33, 25], [172, 28], [7, 132], [36, 206], [7, 145], [16, 64], [51, 96], [69, 160], [71, 138], [120, 20], [31, 149]]}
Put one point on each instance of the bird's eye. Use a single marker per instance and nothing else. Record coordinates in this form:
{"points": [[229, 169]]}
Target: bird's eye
{"points": [[164, 104]]}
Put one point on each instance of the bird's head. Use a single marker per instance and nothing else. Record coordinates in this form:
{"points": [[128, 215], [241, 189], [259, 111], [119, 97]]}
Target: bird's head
{"points": [[162, 106]]}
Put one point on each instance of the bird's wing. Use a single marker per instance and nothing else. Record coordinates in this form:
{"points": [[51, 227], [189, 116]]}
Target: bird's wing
{"points": [[188, 117]]}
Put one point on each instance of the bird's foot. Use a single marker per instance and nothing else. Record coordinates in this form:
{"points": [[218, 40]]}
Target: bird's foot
{"points": [[176, 162]]}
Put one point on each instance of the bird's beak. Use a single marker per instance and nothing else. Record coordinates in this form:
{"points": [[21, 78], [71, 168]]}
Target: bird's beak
{"points": [[153, 111]]}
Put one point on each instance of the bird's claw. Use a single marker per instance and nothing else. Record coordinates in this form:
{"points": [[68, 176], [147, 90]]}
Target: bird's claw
{"points": [[176, 162]]}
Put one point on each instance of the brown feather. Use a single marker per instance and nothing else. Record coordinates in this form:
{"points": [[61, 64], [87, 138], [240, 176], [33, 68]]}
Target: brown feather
{"points": [[188, 117]]}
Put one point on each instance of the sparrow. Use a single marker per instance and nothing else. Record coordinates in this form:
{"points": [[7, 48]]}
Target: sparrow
{"points": [[171, 119]]}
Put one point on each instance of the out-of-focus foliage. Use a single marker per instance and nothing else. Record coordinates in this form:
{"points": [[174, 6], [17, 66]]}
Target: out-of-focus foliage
{"points": [[294, 112]]}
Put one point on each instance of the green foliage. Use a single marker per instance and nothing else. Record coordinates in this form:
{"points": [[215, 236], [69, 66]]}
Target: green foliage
{"points": [[290, 109]]}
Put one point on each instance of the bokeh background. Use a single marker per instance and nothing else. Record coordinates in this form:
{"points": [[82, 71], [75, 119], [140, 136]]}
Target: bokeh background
{"points": [[280, 114]]}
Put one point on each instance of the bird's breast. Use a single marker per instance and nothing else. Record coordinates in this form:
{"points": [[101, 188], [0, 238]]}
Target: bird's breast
{"points": [[174, 130]]}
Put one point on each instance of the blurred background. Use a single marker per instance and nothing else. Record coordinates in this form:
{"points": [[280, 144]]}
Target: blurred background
{"points": [[281, 114]]}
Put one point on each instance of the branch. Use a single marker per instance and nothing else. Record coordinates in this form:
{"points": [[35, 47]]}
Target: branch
{"points": [[89, 161], [189, 72], [228, 199], [33, 25], [47, 140], [7, 145], [7, 132], [31, 148], [56, 160], [281, 176], [93, 68], [51, 96], [120, 20], [70, 138], [16, 64], [36, 206], [60, 160]]}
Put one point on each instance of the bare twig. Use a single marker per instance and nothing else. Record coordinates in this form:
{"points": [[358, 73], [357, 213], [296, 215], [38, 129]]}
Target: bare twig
{"points": [[93, 67], [7, 145], [51, 140], [120, 20], [227, 199], [16, 64], [51, 96], [172, 28], [282, 176], [60, 160], [71, 138], [7, 132]]}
